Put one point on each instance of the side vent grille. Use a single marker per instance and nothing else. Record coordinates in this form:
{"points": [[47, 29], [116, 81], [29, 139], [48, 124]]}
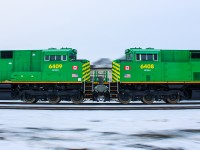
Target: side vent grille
{"points": [[196, 76]]}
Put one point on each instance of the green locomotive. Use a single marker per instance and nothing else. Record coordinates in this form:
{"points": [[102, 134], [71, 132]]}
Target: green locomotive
{"points": [[51, 74], [155, 74]]}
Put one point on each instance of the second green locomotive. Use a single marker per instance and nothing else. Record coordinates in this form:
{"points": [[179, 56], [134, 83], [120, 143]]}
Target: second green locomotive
{"points": [[153, 74]]}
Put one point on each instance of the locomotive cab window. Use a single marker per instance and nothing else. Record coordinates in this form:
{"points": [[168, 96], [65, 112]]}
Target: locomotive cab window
{"points": [[72, 56], [129, 56], [147, 57], [55, 58], [155, 57], [47, 58], [64, 57], [6, 54]]}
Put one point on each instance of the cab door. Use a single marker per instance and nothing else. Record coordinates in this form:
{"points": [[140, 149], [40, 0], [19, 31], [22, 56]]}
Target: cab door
{"points": [[35, 61]]}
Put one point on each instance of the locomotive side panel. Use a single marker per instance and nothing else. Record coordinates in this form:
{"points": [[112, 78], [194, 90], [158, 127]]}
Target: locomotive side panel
{"points": [[176, 65], [6, 65], [177, 72], [27, 66]]}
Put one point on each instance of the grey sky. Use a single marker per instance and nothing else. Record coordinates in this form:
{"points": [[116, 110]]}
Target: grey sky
{"points": [[99, 28]]}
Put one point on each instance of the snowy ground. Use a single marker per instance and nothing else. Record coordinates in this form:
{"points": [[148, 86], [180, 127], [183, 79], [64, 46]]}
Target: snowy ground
{"points": [[61, 130]]}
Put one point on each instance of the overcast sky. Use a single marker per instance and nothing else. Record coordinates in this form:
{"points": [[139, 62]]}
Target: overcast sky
{"points": [[99, 28]]}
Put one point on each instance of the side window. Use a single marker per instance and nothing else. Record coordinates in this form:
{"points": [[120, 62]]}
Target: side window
{"points": [[195, 55], [72, 56], [138, 57], [146, 57], [129, 56], [55, 58], [47, 58], [58, 58], [64, 58], [155, 57], [52, 57], [150, 57], [6, 54]]}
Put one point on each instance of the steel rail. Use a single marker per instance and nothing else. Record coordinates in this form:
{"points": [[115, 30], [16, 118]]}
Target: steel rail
{"points": [[98, 108], [101, 103]]}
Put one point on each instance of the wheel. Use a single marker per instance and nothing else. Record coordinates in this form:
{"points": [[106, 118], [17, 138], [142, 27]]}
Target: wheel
{"points": [[29, 99], [187, 94], [53, 99], [165, 99], [148, 99], [124, 98], [173, 99], [107, 97], [100, 98], [77, 99]]}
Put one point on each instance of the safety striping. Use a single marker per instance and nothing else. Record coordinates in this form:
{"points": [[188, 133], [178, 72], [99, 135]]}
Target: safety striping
{"points": [[115, 72]]}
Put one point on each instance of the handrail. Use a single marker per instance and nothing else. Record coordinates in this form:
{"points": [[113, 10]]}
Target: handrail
{"points": [[84, 86], [93, 82]]}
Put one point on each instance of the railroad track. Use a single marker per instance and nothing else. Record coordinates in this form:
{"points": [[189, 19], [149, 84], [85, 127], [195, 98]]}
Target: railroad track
{"points": [[99, 106], [14, 102]]}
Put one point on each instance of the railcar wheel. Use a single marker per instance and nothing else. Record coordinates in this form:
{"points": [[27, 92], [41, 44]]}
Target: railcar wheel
{"points": [[165, 99], [148, 99], [29, 99], [187, 93], [173, 99], [124, 98], [53, 99], [77, 99]]}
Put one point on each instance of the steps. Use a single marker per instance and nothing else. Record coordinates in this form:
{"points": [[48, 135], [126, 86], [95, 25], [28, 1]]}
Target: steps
{"points": [[113, 89], [89, 87], [88, 90]]}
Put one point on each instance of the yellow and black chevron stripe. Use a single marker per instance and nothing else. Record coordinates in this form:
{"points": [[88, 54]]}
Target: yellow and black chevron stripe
{"points": [[115, 72], [86, 71]]}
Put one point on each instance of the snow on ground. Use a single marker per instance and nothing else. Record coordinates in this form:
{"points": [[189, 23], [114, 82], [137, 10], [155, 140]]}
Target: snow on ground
{"points": [[134, 129]]}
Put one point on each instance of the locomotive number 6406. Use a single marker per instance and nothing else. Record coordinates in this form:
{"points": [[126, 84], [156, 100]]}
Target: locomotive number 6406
{"points": [[147, 66]]}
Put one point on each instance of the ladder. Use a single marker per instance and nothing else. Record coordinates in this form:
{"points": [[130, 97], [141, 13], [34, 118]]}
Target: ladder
{"points": [[88, 89], [113, 89]]}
